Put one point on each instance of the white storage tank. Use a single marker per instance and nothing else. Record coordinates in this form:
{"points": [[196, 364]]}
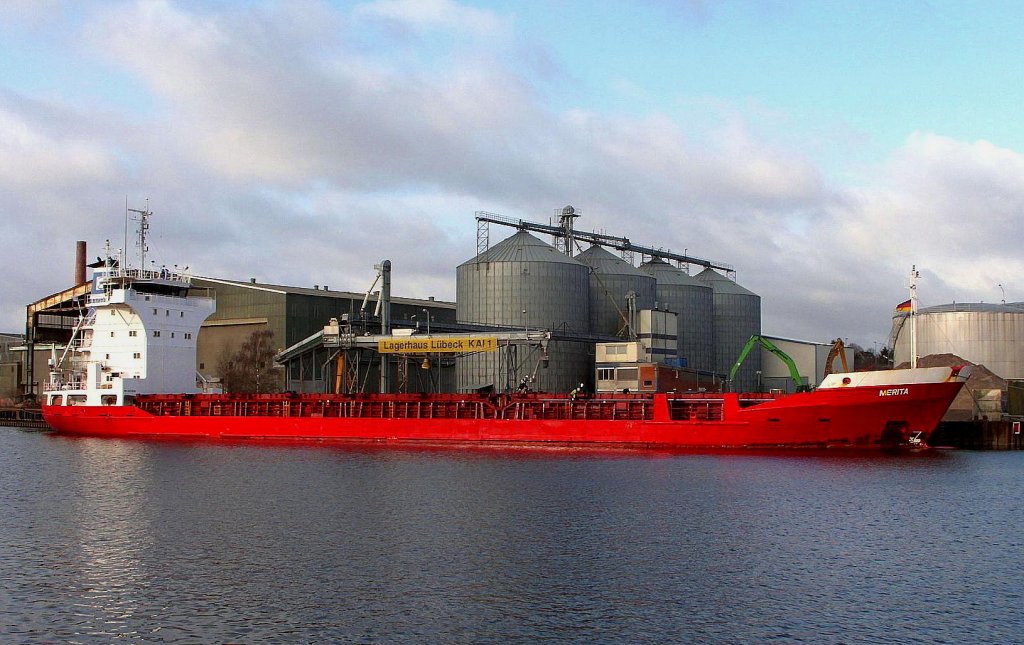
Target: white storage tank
{"points": [[989, 334]]}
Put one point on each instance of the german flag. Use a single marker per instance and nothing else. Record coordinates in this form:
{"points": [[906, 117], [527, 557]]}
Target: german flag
{"points": [[904, 308]]}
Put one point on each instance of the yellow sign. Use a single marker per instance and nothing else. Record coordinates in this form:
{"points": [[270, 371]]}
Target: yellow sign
{"points": [[440, 344]]}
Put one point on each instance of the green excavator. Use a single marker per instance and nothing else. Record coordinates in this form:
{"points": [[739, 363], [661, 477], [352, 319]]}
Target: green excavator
{"points": [[794, 373]]}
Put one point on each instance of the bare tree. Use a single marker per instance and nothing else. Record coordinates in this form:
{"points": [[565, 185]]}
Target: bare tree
{"points": [[251, 368]]}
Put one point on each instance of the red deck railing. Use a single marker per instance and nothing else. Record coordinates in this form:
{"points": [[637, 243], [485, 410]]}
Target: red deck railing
{"points": [[681, 407]]}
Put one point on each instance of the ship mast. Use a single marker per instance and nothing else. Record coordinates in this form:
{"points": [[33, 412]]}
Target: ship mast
{"points": [[914, 275], [143, 219]]}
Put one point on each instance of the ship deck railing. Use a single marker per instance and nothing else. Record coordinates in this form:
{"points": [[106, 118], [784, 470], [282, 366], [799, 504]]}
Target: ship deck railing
{"points": [[702, 407], [63, 386]]}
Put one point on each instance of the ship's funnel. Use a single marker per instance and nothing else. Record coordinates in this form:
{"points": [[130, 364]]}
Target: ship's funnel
{"points": [[79, 262]]}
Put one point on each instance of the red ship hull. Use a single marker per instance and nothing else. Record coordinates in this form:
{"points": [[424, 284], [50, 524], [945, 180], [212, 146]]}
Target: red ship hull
{"points": [[869, 416]]}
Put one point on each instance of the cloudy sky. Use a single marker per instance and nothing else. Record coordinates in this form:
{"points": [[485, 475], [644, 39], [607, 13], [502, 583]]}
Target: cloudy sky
{"points": [[821, 148]]}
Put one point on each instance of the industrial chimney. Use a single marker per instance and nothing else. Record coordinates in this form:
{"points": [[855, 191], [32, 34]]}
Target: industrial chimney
{"points": [[79, 262]]}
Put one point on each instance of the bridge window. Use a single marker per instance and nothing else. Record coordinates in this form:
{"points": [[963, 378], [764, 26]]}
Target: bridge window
{"points": [[627, 374]]}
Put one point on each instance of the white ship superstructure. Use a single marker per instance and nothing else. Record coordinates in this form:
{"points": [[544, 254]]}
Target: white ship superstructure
{"points": [[138, 337]]}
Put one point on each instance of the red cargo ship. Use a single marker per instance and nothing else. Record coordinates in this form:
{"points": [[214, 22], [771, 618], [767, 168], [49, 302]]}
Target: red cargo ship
{"points": [[138, 342], [866, 413]]}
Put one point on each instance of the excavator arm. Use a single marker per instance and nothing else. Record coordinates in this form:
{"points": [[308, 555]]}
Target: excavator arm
{"points": [[838, 349], [794, 373]]}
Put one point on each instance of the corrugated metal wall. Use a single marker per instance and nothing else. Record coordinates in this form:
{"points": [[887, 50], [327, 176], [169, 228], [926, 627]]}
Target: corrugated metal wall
{"points": [[693, 301], [611, 279], [522, 282], [990, 334], [737, 317]]}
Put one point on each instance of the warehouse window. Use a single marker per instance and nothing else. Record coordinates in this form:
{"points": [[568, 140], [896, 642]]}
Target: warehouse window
{"points": [[627, 374], [606, 374]]}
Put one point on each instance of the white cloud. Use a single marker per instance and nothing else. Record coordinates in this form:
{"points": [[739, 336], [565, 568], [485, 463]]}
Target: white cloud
{"points": [[950, 205], [34, 151], [423, 15], [34, 12]]}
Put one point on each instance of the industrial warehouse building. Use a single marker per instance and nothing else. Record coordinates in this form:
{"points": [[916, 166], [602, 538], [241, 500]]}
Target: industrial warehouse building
{"points": [[291, 314]]}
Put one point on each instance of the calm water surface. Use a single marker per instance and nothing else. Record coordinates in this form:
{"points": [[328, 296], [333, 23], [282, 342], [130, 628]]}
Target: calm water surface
{"points": [[155, 541]]}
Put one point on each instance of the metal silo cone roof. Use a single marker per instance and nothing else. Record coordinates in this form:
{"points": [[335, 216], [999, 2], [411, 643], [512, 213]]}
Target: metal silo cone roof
{"points": [[522, 247], [605, 263], [666, 274], [722, 284]]}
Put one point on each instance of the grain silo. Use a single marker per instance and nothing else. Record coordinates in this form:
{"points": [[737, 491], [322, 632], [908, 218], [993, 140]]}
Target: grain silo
{"points": [[612, 280], [737, 317], [693, 302], [523, 283], [986, 333]]}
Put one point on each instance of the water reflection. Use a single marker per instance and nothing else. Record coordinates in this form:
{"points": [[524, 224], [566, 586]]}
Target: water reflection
{"points": [[214, 542], [110, 524]]}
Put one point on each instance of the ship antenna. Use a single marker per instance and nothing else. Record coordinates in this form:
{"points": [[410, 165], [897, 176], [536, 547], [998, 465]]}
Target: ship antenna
{"points": [[914, 275], [144, 215], [124, 249]]}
